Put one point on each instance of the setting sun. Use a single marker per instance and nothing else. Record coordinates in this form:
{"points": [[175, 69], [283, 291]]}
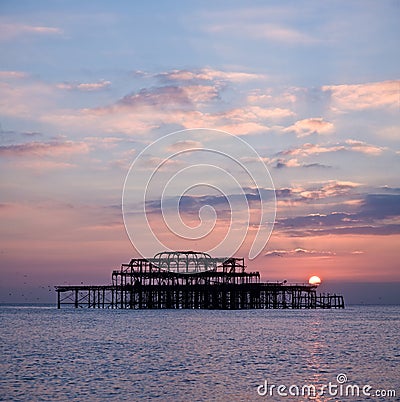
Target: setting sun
{"points": [[314, 280]]}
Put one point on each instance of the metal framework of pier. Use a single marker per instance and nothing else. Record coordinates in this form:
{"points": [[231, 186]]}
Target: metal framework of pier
{"points": [[191, 280]]}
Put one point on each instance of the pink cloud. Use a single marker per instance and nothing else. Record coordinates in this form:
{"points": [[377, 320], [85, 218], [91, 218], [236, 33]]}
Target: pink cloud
{"points": [[312, 149], [25, 99], [39, 166], [309, 149], [12, 74], [40, 149], [282, 34], [140, 112], [305, 127], [332, 188], [201, 93], [104, 142], [252, 113], [363, 147], [364, 96], [183, 145], [267, 97]]}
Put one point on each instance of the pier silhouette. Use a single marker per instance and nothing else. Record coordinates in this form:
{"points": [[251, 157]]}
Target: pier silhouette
{"points": [[193, 280]]}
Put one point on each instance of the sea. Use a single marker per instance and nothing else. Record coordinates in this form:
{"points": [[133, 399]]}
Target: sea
{"points": [[199, 355]]}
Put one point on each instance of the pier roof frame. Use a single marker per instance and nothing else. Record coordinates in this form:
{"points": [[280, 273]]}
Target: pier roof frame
{"points": [[186, 262]]}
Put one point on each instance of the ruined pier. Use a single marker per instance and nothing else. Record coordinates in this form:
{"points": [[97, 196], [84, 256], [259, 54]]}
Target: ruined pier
{"points": [[193, 280]]}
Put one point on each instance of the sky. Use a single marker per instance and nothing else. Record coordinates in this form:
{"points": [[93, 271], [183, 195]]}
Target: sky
{"points": [[87, 88]]}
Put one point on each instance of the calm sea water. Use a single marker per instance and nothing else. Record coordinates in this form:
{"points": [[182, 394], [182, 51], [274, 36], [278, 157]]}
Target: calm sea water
{"points": [[194, 355]]}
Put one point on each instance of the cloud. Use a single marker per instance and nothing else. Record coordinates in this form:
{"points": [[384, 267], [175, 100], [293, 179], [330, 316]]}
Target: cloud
{"points": [[331, 189], [251, 113], [21, 99], [299, 252], [11, 30], [316, 165], [316, 220], [242, 128], [208, 74], [10, 136], [40, 149], [125, 160], [43, 165], [312, 149], [280, 163], [188, 204], [302, 252], [191, 98], [282, 34], [267, 96], [380, 206], [283, 193], [361, 230], [185, 103], [106, 142], [201, 93], [306, 127], [376, 215], [155, 163], [191, 204], [334, 188], [166, 96], [184, 145], [349, 145], [391, 189], [269, 32], [294, 163], [151, 108], [320, 191], [389, 132], [383, 94], [89, 87], [363, 147], [12, 74]]}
